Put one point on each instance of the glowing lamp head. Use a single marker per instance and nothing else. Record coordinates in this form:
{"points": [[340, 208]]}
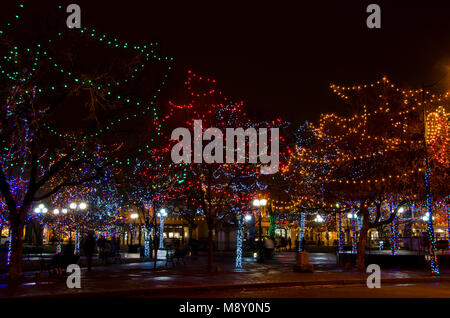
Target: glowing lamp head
{"points": [[73, 206], [248, 217], [64, 211], [44, 210], [134, 216], [82, 206], [256, 202], [162, 213], [41, 206], [401, 210], [263, 202], [37, 210], [319, 219], [350, 216], [55, 211]]}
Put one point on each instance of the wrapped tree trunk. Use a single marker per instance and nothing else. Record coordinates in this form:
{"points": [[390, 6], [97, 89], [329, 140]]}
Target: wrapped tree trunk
{"points": [[239, 241], [147, 239], [77, 242], [210, 249], [302, 233], [17, 221], [155, 249]]}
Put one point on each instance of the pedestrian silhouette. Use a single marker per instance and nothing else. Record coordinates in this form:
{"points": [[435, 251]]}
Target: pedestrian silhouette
{"points": [[89, 248]]}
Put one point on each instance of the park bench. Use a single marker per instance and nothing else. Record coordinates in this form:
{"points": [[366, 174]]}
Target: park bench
{"points": [[176, 254], [110, 257], [33, 252], [180, 254], [57, 265]]}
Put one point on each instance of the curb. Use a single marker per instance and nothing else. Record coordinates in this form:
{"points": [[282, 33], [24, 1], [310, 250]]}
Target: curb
{"points": [[173, 290]]}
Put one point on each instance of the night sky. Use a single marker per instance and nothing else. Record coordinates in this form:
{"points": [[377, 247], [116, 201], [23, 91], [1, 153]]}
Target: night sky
{"points": [[280, 56]]}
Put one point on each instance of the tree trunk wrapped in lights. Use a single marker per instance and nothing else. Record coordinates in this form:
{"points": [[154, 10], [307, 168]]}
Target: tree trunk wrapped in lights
{"points": [[239, 240]]}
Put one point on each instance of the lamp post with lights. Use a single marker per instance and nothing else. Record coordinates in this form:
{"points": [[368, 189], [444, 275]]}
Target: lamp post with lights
{"points": [[260, 206], [319, 220], [134, 217], [41, 209], [352, 217], [74, 207], [162, 214]]}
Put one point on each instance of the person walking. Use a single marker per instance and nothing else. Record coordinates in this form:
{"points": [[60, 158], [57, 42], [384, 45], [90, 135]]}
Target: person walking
{"points": [[283, 243], [101, 244], [89, 248], [269, 246], [117, 246]]}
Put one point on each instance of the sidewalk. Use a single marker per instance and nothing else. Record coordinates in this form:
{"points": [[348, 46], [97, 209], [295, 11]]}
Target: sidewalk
{"points": [[31, 263], [138, 279]]}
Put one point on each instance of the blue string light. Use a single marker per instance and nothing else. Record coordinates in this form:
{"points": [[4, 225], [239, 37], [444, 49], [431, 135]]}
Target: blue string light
{"points": [[240, 235], [433, 248], [302, 231]]}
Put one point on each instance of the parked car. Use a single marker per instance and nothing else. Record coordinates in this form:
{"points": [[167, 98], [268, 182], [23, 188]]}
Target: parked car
{"points": [[4, 240]]}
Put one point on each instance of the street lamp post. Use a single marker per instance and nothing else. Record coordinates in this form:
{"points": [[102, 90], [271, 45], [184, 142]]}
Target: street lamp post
{"points": [[74, 206], [42, 209], [319, 220], [260, 204], [133, 217], [59, 246], [162, 215], [352, 217]]}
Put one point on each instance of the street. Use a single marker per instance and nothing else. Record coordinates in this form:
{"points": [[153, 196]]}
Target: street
{"points": [[429, 290]]}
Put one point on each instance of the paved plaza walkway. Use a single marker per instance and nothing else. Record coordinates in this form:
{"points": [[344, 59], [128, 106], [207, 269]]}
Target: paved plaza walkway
{"points": [[137, 279]]}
